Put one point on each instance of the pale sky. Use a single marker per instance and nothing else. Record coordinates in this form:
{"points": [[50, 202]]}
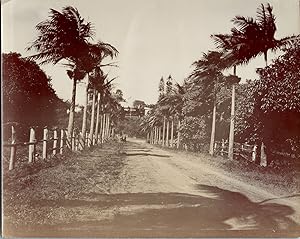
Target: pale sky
{"points": [[155, 38]]}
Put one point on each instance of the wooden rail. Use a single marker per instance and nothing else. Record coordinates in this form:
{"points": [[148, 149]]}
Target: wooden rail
{"points": [[245, 151], [52, 145]]}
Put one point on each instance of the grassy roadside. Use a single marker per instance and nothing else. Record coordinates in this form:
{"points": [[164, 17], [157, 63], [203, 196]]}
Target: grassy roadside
{"points": [[281, 180], [32, 194]]}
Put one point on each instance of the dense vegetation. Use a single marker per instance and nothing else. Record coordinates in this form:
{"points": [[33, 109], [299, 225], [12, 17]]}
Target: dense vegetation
{"points": [[28, 97]]}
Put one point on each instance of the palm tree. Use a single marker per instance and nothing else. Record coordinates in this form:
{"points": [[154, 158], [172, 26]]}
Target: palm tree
{"points": [[172, 104], [93, 63], [248, 39], [64, 36], [208, 71], [251, 37]]}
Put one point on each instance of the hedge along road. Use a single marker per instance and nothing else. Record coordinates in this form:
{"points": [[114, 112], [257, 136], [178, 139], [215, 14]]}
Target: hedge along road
{"points": [[144, 191]]}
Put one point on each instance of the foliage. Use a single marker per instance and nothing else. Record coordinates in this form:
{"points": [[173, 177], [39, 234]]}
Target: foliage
{"points": [[193, 132], [269, 108], [131, 127], [63, 35], [251, 37], [28, 97], [139, 104], [119, 95]]}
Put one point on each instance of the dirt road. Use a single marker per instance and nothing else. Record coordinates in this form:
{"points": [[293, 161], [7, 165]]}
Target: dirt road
{"points": [[159, 193]]}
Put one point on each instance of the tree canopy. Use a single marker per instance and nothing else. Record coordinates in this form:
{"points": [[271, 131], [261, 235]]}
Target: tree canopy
{"points": [[28, 97]]}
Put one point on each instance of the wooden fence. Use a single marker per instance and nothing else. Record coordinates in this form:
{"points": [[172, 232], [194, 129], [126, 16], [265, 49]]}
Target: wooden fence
{"points": [[241, 150], [54, 141]]}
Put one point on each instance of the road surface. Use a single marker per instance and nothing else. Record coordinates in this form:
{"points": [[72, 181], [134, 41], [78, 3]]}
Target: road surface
{"points": [[163, 193]]}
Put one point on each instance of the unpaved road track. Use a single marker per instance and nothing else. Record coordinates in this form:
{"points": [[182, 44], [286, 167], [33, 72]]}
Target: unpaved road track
{"points": [[170, 194]]}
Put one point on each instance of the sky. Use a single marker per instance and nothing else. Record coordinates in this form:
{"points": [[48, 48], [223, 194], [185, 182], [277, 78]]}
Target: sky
{"points": [[155, 38]]}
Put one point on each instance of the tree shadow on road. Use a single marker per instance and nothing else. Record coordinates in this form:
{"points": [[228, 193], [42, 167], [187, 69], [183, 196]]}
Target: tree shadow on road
{"points": [[147, 154], [217, 212]]}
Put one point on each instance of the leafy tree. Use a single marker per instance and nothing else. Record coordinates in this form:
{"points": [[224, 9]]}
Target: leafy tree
{"points": [[119, 95], [271, 105], [193, 133], [28, 97]]}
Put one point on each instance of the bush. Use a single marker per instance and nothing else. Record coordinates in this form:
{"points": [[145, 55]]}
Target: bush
{"points": [[193, 133]]}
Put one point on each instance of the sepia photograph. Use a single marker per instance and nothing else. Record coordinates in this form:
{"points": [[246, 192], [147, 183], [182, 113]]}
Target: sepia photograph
{"points": [[150, 118]]}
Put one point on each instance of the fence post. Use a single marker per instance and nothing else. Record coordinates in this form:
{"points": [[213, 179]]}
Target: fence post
{"points": [[12, 149], [54, 141], [31, 146], [61, 146], [45, 138], [263, 156], [76, 142], [254, 153]]}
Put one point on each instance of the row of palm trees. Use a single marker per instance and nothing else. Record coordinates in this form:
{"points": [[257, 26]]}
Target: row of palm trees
{"points": [[163, 122], [66, 37], [248, 39]]}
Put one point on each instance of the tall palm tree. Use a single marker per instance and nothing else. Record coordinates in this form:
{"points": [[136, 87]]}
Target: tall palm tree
{"points": [[172, 104], [208, 71], [64, 36], [92, 65], [249, 39]]}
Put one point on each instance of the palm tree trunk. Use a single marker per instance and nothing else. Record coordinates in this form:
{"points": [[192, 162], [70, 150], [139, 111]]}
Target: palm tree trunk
{"points": [[159, 135], [72, 112], [178, 134], [213, 130], [167, 136], [263, 156], [153, 135], [97, 118], [108, 126], [172, 132], [164, 130], [231, 131], [103, 127], [84, 118], [266, 57], [92, 117]]}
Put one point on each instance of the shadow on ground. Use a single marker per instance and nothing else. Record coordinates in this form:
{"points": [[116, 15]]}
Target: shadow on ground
{"points": [[147, 154], [222, 213]]}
